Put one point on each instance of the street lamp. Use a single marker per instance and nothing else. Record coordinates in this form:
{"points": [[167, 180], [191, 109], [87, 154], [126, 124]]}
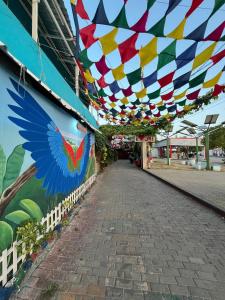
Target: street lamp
{"points": [[210, 119]]}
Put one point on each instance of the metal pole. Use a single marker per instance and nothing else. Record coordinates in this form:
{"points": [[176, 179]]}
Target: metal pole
{"points": [[77, 80], [207, 149], [35, 19], [168, 150], [197, 149]]}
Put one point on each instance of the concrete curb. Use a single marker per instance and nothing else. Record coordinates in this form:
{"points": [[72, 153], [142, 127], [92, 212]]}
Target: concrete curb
{"points": [[204, 202]]}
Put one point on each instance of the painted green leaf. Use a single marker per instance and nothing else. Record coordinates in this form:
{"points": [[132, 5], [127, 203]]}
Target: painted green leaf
{"points": [[2, 168], [13, 166], [6, 235], [32, 209], [18, 217]]}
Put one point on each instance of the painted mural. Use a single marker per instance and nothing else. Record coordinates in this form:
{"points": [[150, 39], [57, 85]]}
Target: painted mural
{"points": [[45, 154]]}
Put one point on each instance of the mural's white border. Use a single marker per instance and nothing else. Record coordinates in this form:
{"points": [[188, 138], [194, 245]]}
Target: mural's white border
{"points": [[53, 218]]}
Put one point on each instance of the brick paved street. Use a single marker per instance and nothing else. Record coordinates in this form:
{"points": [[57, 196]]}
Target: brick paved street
{"points": [[135, 238], [207, 185]]}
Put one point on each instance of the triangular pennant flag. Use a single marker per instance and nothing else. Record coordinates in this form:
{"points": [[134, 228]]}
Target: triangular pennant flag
{"points": [[210, 83], [218, 89], [101, 66], [195, 4], [187, 56], [172, 5], [127, 48], [114, 87], [204, 56], [178, 32], [134, 76], [141, 94], [154, 95], [101, 82], [167, 96], [177, 97], [118, 73], [166, 79], [87, 35], [167, 55], [108, 41], [152, 78], [100, 15], [158, 28], [182, 80], [197, 80], [218, 56], [193, 96], [150, 4], [88, 76], [216, 34], [121, 19], [127, 92], [140, 25], [83, 57], [81, 10], [218, 4], [148, 52], [198, 33]]}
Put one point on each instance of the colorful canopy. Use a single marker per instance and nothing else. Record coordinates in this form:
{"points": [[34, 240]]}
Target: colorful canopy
{"points": [[144, 73]]}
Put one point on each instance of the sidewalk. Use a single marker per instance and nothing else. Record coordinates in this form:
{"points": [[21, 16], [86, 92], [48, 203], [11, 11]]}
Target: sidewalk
{"points": [[133, 239], [208, 186]]}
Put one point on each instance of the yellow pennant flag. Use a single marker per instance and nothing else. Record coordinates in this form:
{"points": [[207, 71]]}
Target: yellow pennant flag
{"points": [[118, 73], [108, 41], [148, 52], [210, 83], [112, 104], [178, 33], [141, 94], [124, 101], [204, 56], [89, 77], [177, 97]]}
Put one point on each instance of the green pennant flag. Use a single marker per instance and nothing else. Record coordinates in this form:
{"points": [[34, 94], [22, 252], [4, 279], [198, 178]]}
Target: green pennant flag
{"points": [[182, 103], [134, 76], [158, 28], [197, 80], [136, 102], [150, 3], [218, 4], [161, 108], [121, 19], [102, 93], [154, 94], [84, 59], [167, 55]]}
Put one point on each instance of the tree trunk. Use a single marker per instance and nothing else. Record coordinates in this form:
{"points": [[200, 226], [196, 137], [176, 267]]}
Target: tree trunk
{"points": [[11, 191]]}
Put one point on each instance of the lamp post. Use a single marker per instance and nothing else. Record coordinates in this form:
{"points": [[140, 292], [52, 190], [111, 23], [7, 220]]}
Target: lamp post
{"points": [[210, 119], [168, 149]]}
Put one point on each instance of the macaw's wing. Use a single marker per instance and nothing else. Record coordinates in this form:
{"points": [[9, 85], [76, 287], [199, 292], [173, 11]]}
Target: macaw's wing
{"points": [[46, 144]]}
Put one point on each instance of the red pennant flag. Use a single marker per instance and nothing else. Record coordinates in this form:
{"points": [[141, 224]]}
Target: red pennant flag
{"points": [[167, 96], [127, 48], [218, 57], [127, 92], [87, 35], [152, 106], [101, 82], [194, 6], [102, 101], [166, 79], [216, 34], [218, 89], [113, 98], [81, 10], [193, 95], [101, 66], [140, 25]]}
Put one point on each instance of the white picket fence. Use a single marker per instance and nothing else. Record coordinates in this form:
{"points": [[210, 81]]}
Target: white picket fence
{"points": [[10, 258]]}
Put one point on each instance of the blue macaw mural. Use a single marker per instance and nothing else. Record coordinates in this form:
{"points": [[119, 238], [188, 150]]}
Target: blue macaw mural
{"points": [[61, 166]]}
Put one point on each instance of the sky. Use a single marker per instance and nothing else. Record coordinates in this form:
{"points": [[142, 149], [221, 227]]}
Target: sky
{"points": [[135, 11]]}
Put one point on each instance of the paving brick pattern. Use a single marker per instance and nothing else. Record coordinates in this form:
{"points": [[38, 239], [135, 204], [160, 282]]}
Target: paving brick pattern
{"points": [[134, 238]]}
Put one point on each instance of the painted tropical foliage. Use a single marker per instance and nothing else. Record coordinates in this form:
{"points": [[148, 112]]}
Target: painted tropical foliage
{"points": [[59, 164]]}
